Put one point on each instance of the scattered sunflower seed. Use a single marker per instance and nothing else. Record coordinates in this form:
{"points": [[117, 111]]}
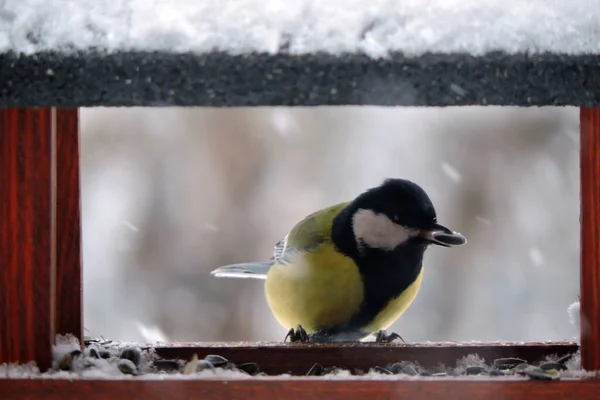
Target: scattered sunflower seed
{"points": [[440, 374], [330, 370], [553, 365], [475, 370], [216, 361], [316, 370], [538, 374], [249, 368], [127, 366], [132, 354], [204, 365], [76, 353], [507, 363], [399, 368], [519, 369], [554, 373], [87, 340], [382, 370], [94, 353], [104, 354], [565, 359], [497, 372]]}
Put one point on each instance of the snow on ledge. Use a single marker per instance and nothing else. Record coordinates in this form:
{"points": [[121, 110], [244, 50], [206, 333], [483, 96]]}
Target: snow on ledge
{"points": [[374, 27]]}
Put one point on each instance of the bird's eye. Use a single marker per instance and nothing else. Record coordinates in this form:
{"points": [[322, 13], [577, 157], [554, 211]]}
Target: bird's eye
{"points": [[395, 218]]}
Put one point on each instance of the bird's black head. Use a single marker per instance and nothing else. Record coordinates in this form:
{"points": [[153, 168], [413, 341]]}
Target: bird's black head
{"points": [[395, 212], [402, 201]]}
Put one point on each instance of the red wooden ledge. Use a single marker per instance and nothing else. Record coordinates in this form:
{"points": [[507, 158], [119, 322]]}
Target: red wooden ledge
{"points": [[299, 389], [277, 358]]}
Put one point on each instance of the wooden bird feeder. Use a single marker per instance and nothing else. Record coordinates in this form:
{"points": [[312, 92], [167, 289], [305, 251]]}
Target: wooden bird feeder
{"points": [[40, 203]]}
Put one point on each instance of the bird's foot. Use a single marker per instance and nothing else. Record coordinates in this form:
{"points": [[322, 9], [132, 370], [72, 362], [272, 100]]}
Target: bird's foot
{"points": [[384, 337], [297, 335]]}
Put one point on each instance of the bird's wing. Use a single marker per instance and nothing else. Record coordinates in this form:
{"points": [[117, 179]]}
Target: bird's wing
{"points": [[308, 234]]}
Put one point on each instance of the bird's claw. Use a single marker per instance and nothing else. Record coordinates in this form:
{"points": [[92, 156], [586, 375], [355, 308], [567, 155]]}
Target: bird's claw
{"points": [[297, 335], [384, 337]]}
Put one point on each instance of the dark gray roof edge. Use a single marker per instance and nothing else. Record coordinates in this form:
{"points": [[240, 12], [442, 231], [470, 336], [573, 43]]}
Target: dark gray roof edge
{"points": [[83, 79]]}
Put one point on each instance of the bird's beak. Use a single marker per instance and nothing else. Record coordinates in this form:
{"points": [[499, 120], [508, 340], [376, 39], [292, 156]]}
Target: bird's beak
{"points": [[443, 236]]}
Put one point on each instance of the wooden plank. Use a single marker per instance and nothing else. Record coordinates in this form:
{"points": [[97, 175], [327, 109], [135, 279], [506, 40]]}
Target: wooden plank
{"points": [[69, 308], [278, 358], [590, 238], [299, 389], [26, 325]]}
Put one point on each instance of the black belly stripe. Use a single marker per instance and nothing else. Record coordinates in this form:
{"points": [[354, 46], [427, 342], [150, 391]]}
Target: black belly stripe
{"points": [[386, 275]]}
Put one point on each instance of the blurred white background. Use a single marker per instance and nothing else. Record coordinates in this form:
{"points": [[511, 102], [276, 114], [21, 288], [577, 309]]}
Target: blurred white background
{"points": [[171, 193]]}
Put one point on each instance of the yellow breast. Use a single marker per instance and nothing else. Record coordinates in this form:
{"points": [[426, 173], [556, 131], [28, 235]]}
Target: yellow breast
{"points": [[317, 290]]}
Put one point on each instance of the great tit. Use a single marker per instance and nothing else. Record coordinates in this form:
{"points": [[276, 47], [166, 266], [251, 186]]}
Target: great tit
{"points": [[350, 270]]}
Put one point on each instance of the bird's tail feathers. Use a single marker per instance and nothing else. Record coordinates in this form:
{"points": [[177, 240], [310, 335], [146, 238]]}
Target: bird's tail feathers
{"points": [[252, 270]]}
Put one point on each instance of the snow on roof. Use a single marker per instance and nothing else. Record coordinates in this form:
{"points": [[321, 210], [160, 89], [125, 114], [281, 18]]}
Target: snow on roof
{"points": [[375, 27]]}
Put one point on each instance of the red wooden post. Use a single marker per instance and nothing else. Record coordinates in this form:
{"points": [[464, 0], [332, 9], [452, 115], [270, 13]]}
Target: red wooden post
{"points": [[590, 238], [26, 237], [68, 308]]}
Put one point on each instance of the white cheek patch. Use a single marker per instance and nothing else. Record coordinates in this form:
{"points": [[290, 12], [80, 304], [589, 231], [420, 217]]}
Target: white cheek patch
{"points": [[378, 231]]}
